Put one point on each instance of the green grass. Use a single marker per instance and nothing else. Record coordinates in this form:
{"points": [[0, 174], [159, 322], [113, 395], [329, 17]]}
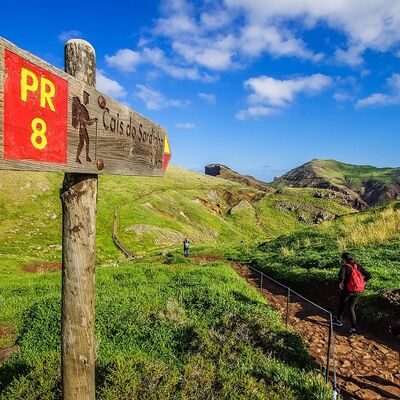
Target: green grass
{"points": [[154, 213], [163, 331], [354, 175], [185, 331], [277, 223], [349, 175], [310, 259]]}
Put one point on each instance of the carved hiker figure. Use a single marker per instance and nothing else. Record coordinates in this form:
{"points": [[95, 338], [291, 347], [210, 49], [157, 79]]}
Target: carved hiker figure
{"points": [[81, 119]]}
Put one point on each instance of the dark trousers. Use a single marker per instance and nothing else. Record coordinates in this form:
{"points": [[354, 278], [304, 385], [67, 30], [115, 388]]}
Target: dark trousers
{"points": [[351, 300], [186, 252]]}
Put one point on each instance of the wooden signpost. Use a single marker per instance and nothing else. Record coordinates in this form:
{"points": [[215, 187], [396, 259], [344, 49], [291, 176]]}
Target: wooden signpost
{"points": [[52, 120]]}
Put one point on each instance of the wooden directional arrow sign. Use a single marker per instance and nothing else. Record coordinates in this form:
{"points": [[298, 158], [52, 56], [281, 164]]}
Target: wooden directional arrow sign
{"points": [[50, 121]]}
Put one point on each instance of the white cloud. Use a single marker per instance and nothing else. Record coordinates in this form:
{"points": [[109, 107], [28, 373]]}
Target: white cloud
{"points": [[186, 125], [124, 59], [224, 34], [67, 35], [372, 24], [254, 112], [277, 92], [155, 100], [177, 20], [109, 86], [215, 19], [351, 56], [257, 38], [157, 58], [341, 96], [208, 97], [127, 60], [382, 99], [377, 99], [394, 82], [213, 54], [176, 25], [218, 38]]}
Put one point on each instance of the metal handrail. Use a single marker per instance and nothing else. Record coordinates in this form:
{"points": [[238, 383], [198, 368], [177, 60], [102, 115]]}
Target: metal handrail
{"points": [[287, 287], [330, 356]]}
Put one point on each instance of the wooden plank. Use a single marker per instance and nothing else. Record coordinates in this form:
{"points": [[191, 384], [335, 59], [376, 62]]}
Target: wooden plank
{"points": [[85, 131]]}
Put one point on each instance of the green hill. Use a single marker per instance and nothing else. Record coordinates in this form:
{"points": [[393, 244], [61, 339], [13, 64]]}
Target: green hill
{"points": [[197, 323], [166, 327], [366, 185], [155, 213]]}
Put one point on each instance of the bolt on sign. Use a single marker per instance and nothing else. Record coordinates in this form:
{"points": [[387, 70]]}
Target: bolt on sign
{"points": [[50, 121]]}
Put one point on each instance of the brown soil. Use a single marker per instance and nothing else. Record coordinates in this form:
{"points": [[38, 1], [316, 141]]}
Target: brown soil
{"points": [[6, 330], [41, 267], [206, 258], [367, 367], [5, 353]]}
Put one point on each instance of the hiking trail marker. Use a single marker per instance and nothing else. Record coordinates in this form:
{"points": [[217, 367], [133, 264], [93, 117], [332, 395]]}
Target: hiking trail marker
{"points": [[52, 120]]}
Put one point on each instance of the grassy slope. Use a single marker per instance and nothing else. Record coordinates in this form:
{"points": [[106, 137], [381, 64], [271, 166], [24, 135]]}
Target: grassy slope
{"points": [[180, 331], [311, 258], [154, 213], [352, 176], [197, 324]]}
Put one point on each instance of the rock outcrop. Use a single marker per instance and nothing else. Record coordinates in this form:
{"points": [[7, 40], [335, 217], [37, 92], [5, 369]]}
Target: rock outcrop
{"points": [[222, 171], [242, 206]]}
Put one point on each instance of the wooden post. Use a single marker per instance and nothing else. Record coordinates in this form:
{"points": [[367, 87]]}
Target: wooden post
{"points": [[79, 203]]}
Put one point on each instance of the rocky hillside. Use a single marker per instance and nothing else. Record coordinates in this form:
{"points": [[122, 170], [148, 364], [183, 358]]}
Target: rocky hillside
{"points": [[155, 213], [362, 185], [222, 171]]}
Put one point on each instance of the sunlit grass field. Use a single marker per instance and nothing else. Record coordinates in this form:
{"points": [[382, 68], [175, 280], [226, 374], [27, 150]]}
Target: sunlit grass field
{"points": [[167, 328], [154, 213], [164, 330]]}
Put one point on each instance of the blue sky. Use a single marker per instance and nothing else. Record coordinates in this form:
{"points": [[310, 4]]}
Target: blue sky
{"points": [[259, 85]]}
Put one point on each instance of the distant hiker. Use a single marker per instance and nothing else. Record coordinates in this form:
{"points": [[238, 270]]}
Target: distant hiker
{"points": [[352, 278], [186, 247]]}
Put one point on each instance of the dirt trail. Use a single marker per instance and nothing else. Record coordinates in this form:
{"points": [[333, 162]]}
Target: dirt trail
{"points": [[367, 368], [6, 331], [41, 268]]}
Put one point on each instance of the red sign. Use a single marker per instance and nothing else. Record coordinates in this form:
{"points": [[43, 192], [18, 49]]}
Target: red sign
{"points": [[35, 112]]}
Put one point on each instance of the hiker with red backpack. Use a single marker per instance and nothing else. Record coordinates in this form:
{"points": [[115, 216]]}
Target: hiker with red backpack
{"points": [[352, 278]]}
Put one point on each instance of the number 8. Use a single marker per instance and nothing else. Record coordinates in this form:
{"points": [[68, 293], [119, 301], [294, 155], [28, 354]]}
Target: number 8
{"points": [[39, 133]]}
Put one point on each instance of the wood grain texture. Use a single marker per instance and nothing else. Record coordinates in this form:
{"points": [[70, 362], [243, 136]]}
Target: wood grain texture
{"points": [[79, 204], [120, 141]]}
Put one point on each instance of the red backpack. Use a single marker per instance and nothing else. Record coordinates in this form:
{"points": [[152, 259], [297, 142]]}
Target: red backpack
{"points": [[356, 282]]}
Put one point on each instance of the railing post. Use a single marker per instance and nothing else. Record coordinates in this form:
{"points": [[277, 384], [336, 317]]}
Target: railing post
{"points": [[335, 392], [287, 306], [328, 355], [261, 280]]}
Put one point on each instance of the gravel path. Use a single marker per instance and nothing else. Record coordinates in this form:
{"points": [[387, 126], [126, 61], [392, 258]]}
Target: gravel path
{"points": [[367, 367]]}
